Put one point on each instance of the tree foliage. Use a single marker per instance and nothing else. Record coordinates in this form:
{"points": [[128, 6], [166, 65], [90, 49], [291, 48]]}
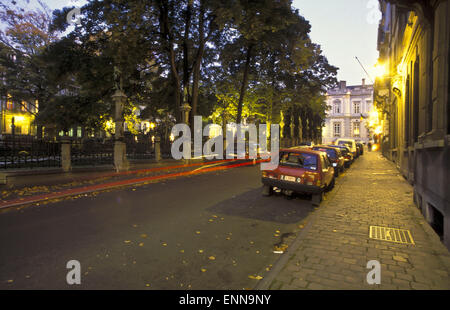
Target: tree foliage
{"points": [[229, 60]]}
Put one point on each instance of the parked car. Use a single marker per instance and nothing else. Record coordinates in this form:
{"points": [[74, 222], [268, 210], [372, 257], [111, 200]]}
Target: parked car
{"points": [[334, 155], [360, 147], [346, 153], [350, 143], [300, 170], [307, 143]]}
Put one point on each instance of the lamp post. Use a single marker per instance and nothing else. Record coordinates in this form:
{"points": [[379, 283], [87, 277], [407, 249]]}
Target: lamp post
{"points": [[120, 154]]}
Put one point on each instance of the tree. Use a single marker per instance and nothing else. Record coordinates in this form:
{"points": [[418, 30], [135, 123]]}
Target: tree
{"points": [[22, 42]]}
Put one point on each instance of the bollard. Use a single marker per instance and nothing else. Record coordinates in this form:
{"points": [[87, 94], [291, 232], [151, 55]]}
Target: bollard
{"points": [[66, 162], [157, 148]]}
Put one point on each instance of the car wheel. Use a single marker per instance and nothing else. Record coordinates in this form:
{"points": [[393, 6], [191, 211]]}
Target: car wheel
{"points": [[316, 199], [267, 190]]}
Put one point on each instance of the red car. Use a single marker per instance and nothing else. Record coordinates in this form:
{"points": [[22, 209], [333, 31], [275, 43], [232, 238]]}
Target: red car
{"points": [[300, 170]]}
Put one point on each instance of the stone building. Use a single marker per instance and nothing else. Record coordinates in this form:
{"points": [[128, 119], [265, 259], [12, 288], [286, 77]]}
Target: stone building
{"points": [[413, 99], [349, 108]]}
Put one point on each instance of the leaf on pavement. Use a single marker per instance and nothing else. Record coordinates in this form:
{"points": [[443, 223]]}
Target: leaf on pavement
{"points": [[127, 241], [255, 277], [211, 258]]}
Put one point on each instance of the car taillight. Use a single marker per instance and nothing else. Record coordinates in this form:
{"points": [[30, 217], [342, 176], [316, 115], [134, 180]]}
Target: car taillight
{"points": [[312, 178]]}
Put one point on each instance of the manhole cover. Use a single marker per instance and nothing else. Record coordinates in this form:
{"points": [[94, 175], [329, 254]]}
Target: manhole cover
{"points": [[391, 234]]}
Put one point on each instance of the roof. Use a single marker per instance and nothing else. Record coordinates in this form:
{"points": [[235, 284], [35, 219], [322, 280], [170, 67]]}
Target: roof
{"points": [[300, 149]]}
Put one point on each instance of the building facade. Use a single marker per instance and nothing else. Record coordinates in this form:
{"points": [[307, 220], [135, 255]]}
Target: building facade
{"points": [[348, 112], [413, 100], [17, 116]]}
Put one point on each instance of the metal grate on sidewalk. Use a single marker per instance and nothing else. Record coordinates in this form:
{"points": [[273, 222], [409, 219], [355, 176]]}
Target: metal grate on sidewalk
{"points": [[391, 234]]}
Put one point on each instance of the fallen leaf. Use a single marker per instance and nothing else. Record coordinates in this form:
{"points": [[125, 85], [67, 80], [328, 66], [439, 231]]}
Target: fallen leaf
{"points": [[203, 270], [147, 285], [255, 277], [212, 258], [141, 244], [200, 251], [197, 232], [127, 241], [164, 244], [143, 235], [181, 251]]}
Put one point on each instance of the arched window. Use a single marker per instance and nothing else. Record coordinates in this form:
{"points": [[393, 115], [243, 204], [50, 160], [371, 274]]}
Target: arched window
{"points": [[337, 107]]}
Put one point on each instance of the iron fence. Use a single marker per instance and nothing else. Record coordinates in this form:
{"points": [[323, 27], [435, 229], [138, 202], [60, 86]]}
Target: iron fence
{"points": [[140, 147], [92, 152], [28, 152]]}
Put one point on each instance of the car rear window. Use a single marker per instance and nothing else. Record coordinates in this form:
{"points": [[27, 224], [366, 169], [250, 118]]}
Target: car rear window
{"points": [[330, 152], [299, 160], [345, 143]]}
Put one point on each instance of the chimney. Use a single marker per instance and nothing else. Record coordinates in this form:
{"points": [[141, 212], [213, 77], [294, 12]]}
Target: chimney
{"points": [[363, 82], [342, 84]]}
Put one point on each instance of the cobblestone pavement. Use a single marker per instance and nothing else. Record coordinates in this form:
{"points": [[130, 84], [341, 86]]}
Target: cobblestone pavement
{"points": [[333, 249]]}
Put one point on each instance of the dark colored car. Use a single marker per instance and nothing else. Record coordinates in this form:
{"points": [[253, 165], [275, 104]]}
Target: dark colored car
{"points": [[334, 155], [361, 148], [300, 170], [346, 153]]}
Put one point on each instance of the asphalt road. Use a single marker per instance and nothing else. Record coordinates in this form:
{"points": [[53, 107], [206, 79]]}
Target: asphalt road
{"points": [[206, 231]]}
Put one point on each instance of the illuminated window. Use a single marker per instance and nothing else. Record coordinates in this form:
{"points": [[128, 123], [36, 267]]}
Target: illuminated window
{"points": [[23, 106], [356, 129], [9, 104]]}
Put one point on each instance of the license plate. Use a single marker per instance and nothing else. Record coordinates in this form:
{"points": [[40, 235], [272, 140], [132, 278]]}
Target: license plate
{"points": [[288, 178]]}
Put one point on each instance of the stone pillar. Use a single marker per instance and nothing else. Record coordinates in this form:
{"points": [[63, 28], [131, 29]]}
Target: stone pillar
{"points": [[185, 109], [157, 148], [120, 151], [66, 162]]}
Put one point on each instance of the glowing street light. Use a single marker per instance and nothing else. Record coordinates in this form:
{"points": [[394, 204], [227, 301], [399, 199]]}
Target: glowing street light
{"points": [[379, 70]]}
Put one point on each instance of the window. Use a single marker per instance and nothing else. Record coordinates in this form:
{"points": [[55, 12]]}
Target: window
{"points": [[337, 107], [23, 106], [356, 107], [356, 129], [337, 129], [368, 105], [303, 160], [330, 152], [9, 104]]}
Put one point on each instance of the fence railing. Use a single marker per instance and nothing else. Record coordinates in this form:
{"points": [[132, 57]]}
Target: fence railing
{"points": [[92, 152], [28, 153]]}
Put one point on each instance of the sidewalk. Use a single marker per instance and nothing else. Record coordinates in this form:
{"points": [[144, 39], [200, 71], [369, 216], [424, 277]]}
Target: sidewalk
{"points": [[333, 248]]}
